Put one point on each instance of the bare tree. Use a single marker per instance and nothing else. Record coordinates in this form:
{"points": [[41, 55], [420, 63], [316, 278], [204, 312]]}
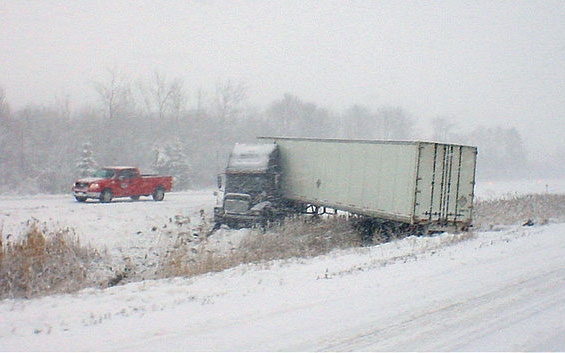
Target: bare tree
{"points": [[163, 97], [64, 108], [229, 99], [291, 115], [358, 122], [284, 113], [227, 107], [178, 99], [443, 129], [502, 152], [393, 123], [4, 106], [115, 94]]}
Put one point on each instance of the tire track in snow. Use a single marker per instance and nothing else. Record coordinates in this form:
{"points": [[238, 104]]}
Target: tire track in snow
{"points": [[473, 323]]}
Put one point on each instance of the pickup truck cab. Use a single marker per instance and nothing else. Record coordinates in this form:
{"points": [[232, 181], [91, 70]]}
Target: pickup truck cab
{"points": [[111, 182]]}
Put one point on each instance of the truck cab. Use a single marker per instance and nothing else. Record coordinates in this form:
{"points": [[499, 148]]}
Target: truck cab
{"points": [[250, 185]]}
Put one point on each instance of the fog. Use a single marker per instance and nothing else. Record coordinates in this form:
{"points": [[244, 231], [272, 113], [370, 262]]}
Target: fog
{"points": [[473, 63]]}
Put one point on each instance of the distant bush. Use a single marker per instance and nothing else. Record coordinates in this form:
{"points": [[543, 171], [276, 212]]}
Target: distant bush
{"points": [[45, 262]]}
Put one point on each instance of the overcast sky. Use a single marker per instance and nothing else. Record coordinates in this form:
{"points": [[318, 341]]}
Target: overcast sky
{"points": [[476, 62]]}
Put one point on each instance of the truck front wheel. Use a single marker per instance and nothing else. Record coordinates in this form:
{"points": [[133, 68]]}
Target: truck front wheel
{"points": [[159, 194], [106, 196]]}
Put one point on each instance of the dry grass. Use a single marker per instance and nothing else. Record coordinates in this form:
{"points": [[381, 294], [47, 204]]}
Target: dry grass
{"points": [[295, 238], [301, 237], [186, 263], [512, 210], [43, 262]]}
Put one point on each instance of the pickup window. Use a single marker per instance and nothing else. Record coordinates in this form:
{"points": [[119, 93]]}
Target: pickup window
{"points": [[128, 174], [103, 173]]}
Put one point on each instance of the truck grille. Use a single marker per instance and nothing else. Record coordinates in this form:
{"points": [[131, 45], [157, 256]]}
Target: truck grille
{"points": [[236, 206]]}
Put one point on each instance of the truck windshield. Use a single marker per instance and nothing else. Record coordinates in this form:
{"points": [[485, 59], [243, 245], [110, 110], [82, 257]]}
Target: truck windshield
{"points": [[250, 184], [103, 173]]}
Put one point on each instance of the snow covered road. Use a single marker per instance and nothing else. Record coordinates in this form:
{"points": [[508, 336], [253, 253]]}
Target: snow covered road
{"points": [[507, 299]]}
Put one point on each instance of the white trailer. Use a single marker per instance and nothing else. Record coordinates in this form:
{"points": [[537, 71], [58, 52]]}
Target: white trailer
{"points": [[419, 183]]}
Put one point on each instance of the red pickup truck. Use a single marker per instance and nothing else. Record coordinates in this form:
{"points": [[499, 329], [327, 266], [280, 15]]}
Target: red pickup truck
{"points": [[110, 182]]}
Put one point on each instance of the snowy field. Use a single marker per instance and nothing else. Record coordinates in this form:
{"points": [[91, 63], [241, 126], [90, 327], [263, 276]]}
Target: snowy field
{"points": [[485, 291], [498, 188]]}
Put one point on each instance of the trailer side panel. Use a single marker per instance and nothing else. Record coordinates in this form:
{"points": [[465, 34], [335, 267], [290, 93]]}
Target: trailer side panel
{"points": [[358, 176], [411, 182]]}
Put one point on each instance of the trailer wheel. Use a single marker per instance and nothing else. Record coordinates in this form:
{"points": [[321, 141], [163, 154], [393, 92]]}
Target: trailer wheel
{"points": [[106, 196], [159, 194]]}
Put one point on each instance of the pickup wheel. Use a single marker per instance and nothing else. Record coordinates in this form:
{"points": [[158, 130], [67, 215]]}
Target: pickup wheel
{"points": [[159, 194], [80, 198], [106, 196], [134, 198]]}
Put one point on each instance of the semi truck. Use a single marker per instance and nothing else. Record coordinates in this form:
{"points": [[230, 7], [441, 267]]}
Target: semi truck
{"points": [[416, 185]]}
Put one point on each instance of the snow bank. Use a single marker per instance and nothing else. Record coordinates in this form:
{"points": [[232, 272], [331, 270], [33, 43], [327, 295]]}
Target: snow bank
{"points": [[492, 291]]}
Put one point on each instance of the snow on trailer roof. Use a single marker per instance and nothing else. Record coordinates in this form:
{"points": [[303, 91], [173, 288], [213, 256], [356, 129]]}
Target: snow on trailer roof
{"points": [[251, 156], [341, 140], [118, 167]]}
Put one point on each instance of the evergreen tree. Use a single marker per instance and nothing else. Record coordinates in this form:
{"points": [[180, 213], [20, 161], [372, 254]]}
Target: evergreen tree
{"points": [[86, 166], [170, 159]]}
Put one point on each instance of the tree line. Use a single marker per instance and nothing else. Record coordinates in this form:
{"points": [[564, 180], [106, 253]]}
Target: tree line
{"points": [[157, 126]]}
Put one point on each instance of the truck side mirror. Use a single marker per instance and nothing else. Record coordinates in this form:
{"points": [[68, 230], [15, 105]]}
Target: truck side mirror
{"points": [[219, 180]]}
